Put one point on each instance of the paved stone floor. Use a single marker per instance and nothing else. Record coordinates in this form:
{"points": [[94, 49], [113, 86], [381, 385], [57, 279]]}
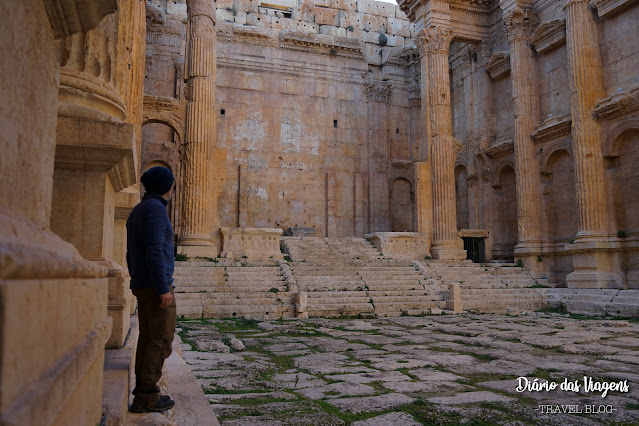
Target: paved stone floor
{"points": [[440, 370]]}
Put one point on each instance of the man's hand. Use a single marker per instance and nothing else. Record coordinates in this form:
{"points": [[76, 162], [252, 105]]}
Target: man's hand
{"points": [[165, 300]]}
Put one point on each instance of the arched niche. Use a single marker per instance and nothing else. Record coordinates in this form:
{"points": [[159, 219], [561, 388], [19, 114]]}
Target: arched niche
{"points": [[461, 196], [505, 216], [401, 201], [560, 204], [626, 181]]}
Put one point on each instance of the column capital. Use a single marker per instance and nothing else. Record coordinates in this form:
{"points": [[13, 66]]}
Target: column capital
{"points": [[520, 24], [434, 39]]}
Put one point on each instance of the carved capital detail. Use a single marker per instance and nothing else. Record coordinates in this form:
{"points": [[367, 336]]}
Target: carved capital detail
{"points": [[377, 91], [438, 39], [520, 24], [421, 41]]}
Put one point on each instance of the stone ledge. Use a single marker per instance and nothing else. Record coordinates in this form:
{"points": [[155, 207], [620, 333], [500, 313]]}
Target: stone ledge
{"points": [[549, 35], [606, 8], [553, 128], [498, 65], [500, 148], [621, 103], [99, 146]]}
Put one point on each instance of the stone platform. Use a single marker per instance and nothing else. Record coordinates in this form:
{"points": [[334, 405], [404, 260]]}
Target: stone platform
{"points": [[445, 370]]}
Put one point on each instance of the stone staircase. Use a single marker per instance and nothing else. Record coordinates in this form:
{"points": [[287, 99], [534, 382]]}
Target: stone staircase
{"points": [[490, 288], [349, 277], [596, 302], [223, 289]]}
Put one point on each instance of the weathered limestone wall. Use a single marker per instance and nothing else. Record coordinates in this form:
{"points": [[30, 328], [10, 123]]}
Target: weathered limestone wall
{"points": [[53, 303], [314, 137]]}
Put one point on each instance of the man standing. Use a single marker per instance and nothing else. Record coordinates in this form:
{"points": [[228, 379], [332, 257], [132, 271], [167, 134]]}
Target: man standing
{"points": [[150, 260]]}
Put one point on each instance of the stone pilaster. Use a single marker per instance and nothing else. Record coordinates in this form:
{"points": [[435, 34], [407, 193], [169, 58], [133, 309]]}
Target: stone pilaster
{"points": [[377, 97], [520, 24], [592, 259], [434, 45], [198, 214]]}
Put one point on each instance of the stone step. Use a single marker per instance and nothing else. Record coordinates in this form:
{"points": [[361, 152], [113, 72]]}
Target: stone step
{"points": [[339, 309], [336, 295]]}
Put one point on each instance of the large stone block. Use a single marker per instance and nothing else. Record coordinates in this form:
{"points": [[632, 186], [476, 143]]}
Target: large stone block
{"points": [[401, 245], [252, 243], [351, 19], [326, 16]]}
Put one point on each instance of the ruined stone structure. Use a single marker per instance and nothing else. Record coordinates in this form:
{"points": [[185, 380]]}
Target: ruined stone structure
{"points": [[510, 124], [496, 129]]}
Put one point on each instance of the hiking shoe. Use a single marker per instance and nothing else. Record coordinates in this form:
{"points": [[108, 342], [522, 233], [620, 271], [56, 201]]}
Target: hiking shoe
{"points": [[165, 403]]}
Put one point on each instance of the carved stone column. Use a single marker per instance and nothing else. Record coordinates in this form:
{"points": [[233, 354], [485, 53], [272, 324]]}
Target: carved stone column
{"points": [[443, 146], [520, 24], [594, 263], [200, 188]]}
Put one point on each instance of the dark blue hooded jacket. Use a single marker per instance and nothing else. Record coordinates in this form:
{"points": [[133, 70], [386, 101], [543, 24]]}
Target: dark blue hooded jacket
{"points": [[150, 245]]}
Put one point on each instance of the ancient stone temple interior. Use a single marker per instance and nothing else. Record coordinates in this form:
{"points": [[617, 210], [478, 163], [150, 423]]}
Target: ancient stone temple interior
{"points": [[332, 158]]}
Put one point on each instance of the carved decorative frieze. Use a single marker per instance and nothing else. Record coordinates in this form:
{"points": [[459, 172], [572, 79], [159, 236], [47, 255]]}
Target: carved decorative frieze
{"points": [[553, 128], [621, 103], [377, 91], [69, 17], [549, 35], [320, 43], [520, 24], [500, 148], [498, 65], [607, 8], [255, 36]]}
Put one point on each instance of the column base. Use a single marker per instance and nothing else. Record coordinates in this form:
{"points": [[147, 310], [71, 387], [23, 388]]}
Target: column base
{"points": [[448, 250], [596, 264], [198, 250], [531, 255]]}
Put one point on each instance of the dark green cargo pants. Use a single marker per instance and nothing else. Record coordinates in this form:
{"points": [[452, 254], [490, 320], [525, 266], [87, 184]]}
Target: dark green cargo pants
{"points": [[157, 327]]}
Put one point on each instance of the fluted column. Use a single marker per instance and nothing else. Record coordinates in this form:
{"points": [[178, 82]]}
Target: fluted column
{"points": [[594, 262], [520, 25], [443, 147], [198, 201]]}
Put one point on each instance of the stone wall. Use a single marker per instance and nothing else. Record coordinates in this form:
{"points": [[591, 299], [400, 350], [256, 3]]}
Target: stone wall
{"points": [[314, 137]]}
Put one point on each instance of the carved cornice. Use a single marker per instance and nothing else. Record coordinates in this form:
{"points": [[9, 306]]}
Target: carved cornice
{"points": [[553, 128], [520, 24], [617, 105], [377, 91], [248, 35], [500, 148], [68, 17], [498, 65], [320, 43], [549, 35], [607, 8]]}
